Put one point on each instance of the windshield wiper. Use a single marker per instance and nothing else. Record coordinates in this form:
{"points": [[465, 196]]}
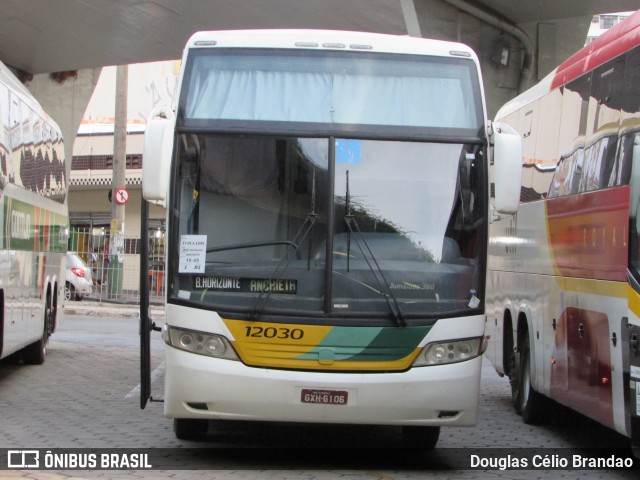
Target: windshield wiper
{"points": [[383, 284], [298, 239], [295, 243], [266, 243]]}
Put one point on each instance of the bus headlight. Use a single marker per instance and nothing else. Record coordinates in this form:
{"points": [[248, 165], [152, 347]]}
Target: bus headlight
{"points": [[201, 343], [441, 353]]}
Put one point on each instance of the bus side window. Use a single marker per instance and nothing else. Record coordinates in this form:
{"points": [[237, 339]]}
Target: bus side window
{"points": [[630, 97], [621, 172], [577, 173], [604, 107], [631, 150], [627, 161]]}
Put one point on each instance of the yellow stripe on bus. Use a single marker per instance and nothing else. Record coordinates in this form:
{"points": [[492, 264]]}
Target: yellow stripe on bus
{"points": [[604, 288], [314, 347], [634, 300]]}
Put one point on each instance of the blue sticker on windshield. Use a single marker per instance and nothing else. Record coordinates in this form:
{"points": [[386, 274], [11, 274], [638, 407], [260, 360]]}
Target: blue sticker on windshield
{"points": [[348, 151]]}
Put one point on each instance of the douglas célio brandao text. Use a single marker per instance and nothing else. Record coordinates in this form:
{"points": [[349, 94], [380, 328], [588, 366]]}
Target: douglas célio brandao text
{"points": [[549, 461]]}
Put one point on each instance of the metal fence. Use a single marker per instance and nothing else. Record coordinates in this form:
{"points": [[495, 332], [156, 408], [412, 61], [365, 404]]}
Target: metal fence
{"points": [[114, 260]]}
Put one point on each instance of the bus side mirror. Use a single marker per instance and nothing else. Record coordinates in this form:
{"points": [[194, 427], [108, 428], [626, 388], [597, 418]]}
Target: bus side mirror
{"points": [[507, 168], [156, 155], [635, 182]]}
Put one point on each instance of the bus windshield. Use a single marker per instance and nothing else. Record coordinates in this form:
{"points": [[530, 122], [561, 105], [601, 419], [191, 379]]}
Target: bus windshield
{"points": [[331, 88], [356, 228]]}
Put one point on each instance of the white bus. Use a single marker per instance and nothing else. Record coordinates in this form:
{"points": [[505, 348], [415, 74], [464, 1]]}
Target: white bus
{"points": [[33, 223], [327, 202], [563, 288]]}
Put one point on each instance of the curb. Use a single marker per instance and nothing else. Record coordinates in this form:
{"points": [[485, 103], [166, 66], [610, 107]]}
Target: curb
{"points": [[96, 309]]}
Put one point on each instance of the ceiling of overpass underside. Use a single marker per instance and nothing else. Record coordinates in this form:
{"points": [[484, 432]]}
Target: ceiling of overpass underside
{"points": [[40, 36]]}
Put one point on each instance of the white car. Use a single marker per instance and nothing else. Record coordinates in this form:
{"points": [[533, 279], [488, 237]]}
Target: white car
{"points": [[78, 280]]}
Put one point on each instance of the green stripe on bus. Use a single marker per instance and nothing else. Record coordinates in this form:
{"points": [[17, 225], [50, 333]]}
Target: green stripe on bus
{"points": [[30, 228], [369, 343]]}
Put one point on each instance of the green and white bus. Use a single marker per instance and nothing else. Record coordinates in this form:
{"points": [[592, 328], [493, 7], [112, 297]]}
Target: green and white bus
{"points": [[33, 222], [327, 196]]}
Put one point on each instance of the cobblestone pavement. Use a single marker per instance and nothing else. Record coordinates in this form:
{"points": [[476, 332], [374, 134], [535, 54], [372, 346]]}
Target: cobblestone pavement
{"points": [[85, 396]]}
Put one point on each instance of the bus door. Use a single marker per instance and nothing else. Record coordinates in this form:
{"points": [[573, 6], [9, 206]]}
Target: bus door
{"points": [[630, 147], [632, 378], [146, 325]]}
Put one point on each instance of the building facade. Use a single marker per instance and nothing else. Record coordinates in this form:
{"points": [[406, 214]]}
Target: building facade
{"points": [[90, 212]]}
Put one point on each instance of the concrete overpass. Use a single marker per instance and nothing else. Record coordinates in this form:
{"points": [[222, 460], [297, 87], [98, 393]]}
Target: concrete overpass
{"points": [[518, 42]]}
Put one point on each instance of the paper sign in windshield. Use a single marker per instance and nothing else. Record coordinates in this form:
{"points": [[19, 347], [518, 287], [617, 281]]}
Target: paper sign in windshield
{"points": [[193, 252]]}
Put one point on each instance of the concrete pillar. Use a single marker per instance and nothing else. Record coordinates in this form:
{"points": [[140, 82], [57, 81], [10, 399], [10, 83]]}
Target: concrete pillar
{"points": [[556, 40], [411, 18], [552, 42]]}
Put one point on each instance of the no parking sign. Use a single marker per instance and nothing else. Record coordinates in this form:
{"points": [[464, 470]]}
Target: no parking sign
{"points": [[121, 196]]}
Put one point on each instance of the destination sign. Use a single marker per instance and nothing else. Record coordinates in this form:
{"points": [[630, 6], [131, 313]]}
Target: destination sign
{"points": [[245, 285]]}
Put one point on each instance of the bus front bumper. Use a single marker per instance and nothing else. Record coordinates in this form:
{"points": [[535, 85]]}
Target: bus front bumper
{"points": [[202, 387]]}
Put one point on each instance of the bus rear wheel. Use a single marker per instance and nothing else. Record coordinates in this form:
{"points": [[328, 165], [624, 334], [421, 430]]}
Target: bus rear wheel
{"points": [[190, 428], [530, 404], [36, 353], [423, 438]]}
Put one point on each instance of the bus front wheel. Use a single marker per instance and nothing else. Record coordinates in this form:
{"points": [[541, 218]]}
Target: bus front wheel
{"points": [[190, 428], [423, 438]]}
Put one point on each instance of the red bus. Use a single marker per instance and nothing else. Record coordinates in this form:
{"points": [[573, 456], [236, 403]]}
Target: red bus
{"points": [[563, 282]]}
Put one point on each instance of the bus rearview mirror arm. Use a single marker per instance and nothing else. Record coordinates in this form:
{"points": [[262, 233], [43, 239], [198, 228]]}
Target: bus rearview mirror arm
{"points": [[156, 155], [507, 166]]}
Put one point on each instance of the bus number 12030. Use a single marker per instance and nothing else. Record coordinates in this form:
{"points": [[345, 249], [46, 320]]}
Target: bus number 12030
{"points": [[273, 332]]}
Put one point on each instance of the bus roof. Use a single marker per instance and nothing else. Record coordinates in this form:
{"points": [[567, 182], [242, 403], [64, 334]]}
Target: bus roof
{"points": [[329, 40], [9, 79], [615, 41], [15, 85]]}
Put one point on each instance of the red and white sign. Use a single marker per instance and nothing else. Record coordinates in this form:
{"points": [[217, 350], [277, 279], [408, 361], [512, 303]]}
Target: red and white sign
{"points": [[121, 196]]}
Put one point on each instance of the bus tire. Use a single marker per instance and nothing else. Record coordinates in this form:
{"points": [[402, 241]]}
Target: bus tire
{"points": [[36, 353], [514, 381], [511, 369], [423, 438], [530, 403], [190, 428]]}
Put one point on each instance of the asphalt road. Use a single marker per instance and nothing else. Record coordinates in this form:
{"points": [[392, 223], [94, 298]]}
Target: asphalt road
{"points": [[86, 395]]}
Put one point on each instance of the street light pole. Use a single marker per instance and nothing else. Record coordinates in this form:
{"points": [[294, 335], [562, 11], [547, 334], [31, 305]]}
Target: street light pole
{"points": [[116, 243]]}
